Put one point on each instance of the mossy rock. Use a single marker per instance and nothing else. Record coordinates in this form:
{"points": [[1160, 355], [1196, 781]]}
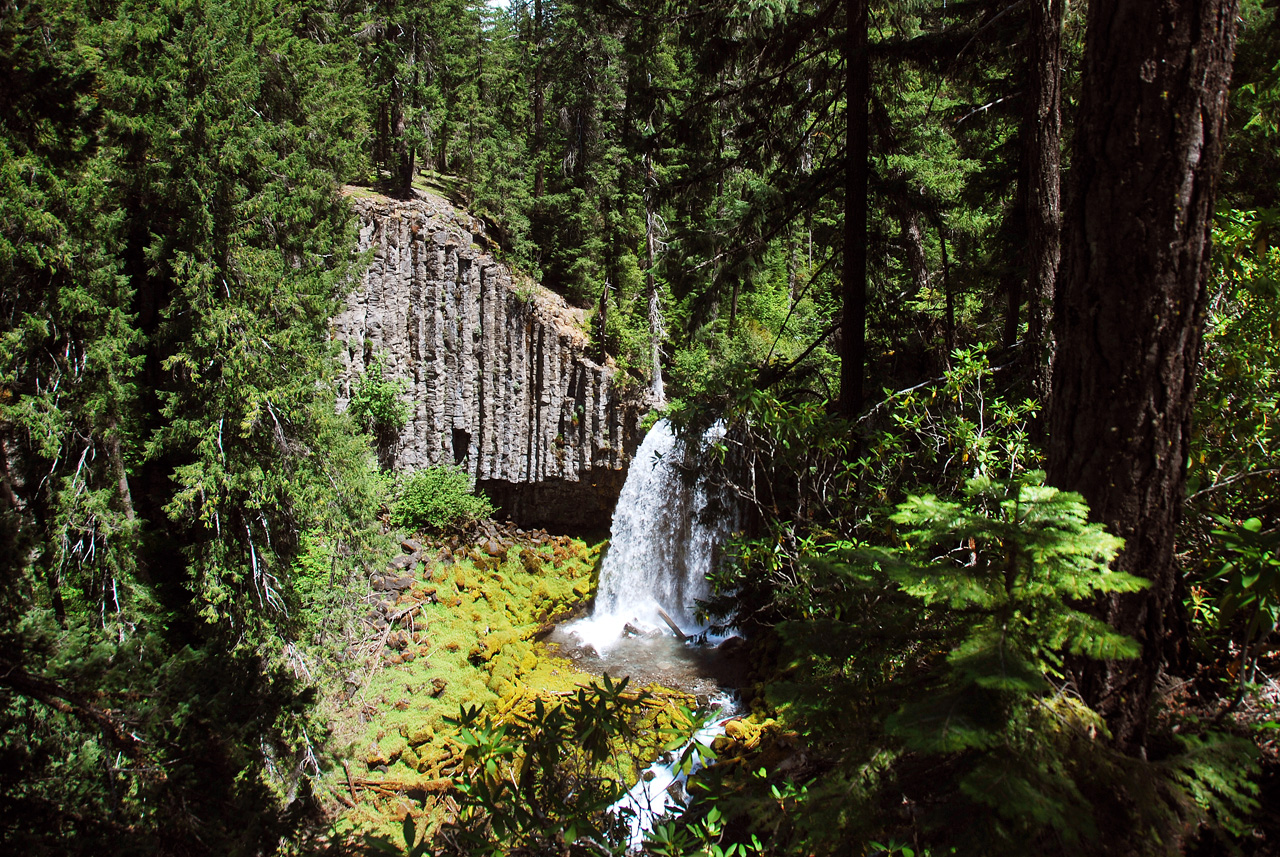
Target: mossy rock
{"points": [[417, 734], [386, 751], [750, 734], [409, 759], [489, 611]]}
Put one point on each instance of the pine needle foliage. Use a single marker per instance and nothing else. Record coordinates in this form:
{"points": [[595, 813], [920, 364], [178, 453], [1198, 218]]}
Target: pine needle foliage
{"points": [[172, 245], [941, 672]]}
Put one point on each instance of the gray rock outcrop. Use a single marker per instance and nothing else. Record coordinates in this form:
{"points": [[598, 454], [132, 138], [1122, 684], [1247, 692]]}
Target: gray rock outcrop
{"points": [[498, 373]]}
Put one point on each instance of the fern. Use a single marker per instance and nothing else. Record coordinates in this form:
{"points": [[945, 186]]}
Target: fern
{"points": [[1215, 773], [1000, 571]]}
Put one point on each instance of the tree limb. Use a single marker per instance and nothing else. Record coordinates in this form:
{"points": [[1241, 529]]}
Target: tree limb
{"points": [[61, 699]]}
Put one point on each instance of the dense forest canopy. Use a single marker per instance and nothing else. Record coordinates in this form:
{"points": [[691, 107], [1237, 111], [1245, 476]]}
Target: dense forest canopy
{"points": [[984, 292]]}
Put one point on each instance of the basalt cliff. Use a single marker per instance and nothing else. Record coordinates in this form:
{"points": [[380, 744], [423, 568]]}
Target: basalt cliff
{"points": [[498, 373]]}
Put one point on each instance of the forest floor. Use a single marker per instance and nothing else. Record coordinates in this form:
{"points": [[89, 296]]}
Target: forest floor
{"points": [[453, 623]]}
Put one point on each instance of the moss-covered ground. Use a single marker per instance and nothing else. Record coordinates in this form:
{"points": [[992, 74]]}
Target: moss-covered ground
{"points": [[464, 633]]}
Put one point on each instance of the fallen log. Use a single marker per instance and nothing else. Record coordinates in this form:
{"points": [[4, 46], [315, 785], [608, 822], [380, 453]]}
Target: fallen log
{"points": [[671, 623], [346, 766], [398, 787]]}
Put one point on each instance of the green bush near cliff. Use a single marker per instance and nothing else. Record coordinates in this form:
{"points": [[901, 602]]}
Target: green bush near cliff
{"points": [[439, 499], [377, 404]]}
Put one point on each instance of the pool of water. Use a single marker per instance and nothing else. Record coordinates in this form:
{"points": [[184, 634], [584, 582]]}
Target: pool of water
{"points": [[654, 657]]}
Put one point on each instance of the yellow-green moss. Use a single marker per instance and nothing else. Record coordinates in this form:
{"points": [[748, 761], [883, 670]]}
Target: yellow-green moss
{"points": [[473, 646]]}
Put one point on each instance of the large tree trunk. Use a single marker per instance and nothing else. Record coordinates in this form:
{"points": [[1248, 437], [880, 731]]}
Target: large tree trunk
{"points": [[853, 332], [1130, 303], [913, 247], [657, 329], [1041, 138], [402, 174], [539, 105]]}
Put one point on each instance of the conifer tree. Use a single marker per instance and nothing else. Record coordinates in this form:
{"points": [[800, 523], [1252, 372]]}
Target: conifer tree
{"points": [[1129, 313], [172, 245]]}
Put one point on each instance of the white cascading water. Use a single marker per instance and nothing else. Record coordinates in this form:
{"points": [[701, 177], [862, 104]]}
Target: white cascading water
{"points": [[661, 788], [660, 550]]}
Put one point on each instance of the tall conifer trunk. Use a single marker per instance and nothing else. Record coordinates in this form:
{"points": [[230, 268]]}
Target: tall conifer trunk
{"points": [[1041, 137], [1130, 303], [857, 147], [539, 104]]}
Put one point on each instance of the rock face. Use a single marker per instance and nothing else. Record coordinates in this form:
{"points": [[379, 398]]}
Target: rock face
{"points": [[498, 375]]}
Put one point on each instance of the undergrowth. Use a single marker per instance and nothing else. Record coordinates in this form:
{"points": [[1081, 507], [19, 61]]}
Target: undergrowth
{"points": [[467, 637]]}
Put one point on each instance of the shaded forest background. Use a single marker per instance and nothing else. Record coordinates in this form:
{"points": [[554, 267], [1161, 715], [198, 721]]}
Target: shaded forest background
{"points": [[836, 225]]}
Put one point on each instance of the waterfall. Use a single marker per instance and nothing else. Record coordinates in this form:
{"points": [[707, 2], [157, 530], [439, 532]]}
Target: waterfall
{"points": [[661, 545], [661, 548]]}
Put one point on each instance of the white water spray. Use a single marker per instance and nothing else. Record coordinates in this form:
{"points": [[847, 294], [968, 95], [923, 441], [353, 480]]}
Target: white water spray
{"points": [[661, 547], [661, 788]]}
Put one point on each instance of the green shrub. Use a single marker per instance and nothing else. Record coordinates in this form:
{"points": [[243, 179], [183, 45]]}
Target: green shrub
{"points": [[375, 403], [438, 499]]}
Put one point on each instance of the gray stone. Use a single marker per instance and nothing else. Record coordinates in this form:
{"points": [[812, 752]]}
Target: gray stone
{"points": [[498, 373]]}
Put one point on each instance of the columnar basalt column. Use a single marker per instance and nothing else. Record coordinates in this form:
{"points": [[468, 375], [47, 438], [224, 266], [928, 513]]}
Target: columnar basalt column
{"points": [[499, 378]]}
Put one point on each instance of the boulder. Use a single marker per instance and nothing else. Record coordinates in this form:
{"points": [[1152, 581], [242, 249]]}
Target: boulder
{"points": [[731, 647], [417, 734]]}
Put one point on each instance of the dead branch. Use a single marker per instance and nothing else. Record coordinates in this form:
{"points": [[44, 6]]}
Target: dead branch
{"points": [[59, 698]]}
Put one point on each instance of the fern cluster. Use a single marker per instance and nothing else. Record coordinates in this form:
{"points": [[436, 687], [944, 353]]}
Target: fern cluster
{"points": [[934, 679]]}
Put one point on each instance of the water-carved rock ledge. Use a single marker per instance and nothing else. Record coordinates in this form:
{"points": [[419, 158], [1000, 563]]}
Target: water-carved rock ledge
{"points": [[499, 378]]}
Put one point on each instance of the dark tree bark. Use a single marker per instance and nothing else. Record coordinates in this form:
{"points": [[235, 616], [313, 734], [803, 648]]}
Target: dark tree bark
{"points": [[1129, 309], [539, 104], [913, 245], [1011, 284], [402, 176], [949, 329], [1041, 139], [857, 146], [657, 327]]}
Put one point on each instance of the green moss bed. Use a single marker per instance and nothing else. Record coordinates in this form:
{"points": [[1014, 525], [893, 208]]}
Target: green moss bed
{"points": [[464, 633]]}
